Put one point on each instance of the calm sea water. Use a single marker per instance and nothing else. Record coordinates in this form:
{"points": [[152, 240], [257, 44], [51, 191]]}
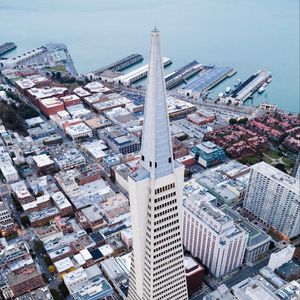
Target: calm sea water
{"points": [[246, 34]]}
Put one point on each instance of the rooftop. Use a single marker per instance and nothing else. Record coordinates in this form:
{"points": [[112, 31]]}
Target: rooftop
{"points": [[279, 176]]}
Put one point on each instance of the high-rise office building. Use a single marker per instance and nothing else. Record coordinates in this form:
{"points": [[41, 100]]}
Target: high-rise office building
{"points": [[274, 197], [155, 192]]}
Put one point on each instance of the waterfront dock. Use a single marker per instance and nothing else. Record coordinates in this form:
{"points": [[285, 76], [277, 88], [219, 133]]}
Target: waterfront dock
{"points": [[7, 47], [182, 74], [209, 77], [121, 64], [249, 86], [135, 75]]}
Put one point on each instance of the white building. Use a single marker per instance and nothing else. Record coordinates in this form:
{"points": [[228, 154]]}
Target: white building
{"points": [[277, 259], [9, 172], [5, 217], [274, 197], [79, 130], [212, 235], [155, 192], [69, 159]]}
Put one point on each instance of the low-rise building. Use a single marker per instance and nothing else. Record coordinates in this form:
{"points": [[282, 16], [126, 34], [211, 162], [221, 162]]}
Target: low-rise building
{"points": [[194, 274], [6, 221], [88, 174], [21, 192], [97, 123], [25, 281], [42, 217], [119, 140], [67, 183], [277, 259], [9, 172], [62, 204], [69, 159], [253, 288], [51, 106], [117, 271], [70, 100], [95, 149], [40, 203], [91, 217], [44, 163], [78, 131], [87, 284], [209, 154]]}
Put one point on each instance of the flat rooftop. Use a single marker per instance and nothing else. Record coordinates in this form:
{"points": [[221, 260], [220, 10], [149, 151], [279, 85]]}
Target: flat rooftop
{"points": [[207, 78]]}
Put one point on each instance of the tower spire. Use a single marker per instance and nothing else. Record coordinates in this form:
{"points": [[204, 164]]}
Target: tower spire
{"points": [[156, 143]]}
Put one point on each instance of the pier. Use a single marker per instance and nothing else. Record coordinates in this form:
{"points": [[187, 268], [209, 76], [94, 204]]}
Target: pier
{"points": [[121, 64], [6, 47], [207, 79], [135, 75], [249, 86], [183, 73]]}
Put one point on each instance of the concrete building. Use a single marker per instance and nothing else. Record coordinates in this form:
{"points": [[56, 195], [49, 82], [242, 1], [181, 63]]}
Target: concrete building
{"points": [[70, 100], [42, 217], [87, 284], [194, 274], [25, 281], [39, 204], [119, 140], [44, 163], [277, 259], [213, 237], [6, 221], [209, 154], [221, 293], [9, 172], [97, 123], [78, 131], [66, 181], [274, 198], [69, 159], [253, 289], [258, 242], [62, 203], [155, 193], [51, 106], [21, 192], [117, 270]]}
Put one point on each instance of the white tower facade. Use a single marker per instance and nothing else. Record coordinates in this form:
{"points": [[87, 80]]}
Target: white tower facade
{"points": [[155, 193], [274, 198]]}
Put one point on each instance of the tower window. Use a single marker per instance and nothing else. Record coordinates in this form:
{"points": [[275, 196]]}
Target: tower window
{"points": [[150, 163], [170, 160], [155, 164], [143, 157]]}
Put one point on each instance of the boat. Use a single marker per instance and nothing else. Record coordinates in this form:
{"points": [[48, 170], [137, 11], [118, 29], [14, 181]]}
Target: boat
{"points": [[261, 89], [221, 95], [238, 82], [269, 79], [228, 89]]}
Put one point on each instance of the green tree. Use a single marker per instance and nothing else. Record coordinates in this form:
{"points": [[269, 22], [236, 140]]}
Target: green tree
{"points": [[45, 278], [39, 246], [25, 221], [63, 289], [232, 121], [55, 294], [243, 121], [47, 260]]}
